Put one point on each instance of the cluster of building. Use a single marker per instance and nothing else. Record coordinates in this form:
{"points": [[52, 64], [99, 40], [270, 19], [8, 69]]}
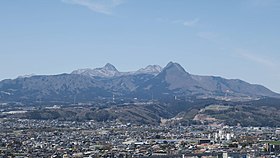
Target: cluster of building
{"points": [[51, 138]]}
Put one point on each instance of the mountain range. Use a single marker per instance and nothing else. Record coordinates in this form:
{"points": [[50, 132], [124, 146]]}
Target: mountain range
{"points": [[152, 82]]}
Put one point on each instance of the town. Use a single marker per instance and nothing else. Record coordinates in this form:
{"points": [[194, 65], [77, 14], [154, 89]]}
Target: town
{"points": [[52, 138]]}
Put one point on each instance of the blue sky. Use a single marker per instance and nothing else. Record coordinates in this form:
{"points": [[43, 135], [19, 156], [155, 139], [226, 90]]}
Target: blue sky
{"points": [[232, 38]]}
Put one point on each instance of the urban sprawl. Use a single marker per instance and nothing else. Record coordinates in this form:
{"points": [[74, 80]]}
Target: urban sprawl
{"points": [[52, 138]]}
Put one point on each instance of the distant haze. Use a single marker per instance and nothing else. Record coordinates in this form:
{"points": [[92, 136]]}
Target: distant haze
{"points": [[233, 39]]}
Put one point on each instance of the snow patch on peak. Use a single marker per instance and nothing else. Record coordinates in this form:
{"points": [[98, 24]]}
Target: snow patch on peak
{"points": [[151, 69], [107, 71], [26, 76], [110, 71]]}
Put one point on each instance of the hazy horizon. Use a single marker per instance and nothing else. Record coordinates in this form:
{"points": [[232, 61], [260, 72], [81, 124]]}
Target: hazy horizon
{"points": [[232, 39]]}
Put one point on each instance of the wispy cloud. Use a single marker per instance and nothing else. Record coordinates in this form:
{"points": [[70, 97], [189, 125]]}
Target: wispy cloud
{"points": [[245, 54], [99, 6], [188, 23], [248, 55], [210, 36], [191, 23]]}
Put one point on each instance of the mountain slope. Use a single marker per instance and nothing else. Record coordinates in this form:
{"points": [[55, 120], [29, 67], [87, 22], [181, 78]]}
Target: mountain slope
{"points": [[171, 80], [232, 86], [54, 87], [66, 87], [174, 80], [147, 83]]}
